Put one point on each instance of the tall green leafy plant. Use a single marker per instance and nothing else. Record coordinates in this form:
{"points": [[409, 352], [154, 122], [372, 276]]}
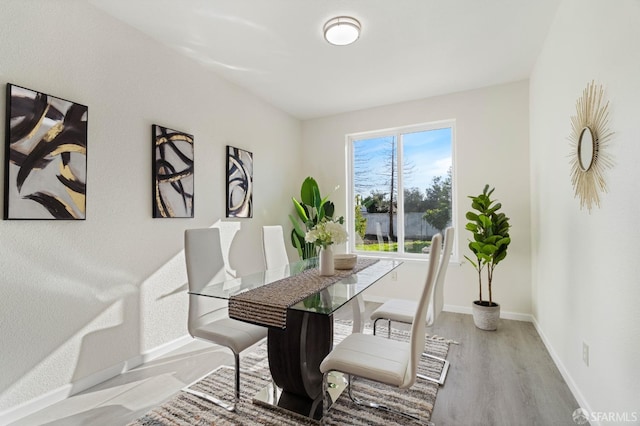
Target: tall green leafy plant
{"points": [[491, 239], [311, 209]]}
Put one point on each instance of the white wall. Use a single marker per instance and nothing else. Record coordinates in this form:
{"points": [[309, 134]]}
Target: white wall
{"points": [[491, 146], [585, 266], [80, 297]]}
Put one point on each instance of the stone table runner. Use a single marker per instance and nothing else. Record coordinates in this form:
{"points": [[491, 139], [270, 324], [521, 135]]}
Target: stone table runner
{"points": [[267, 305]]}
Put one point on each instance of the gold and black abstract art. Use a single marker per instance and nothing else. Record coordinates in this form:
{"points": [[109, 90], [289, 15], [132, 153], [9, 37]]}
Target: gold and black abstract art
{"points": [[173, 181], [239, 182], [45, 156]]}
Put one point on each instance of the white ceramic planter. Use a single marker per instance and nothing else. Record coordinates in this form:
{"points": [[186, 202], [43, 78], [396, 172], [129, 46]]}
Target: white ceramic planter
{"points": [[486, 317]]}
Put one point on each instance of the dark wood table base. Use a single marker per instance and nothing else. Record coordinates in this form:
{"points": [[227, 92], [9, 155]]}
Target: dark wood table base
{"points": [[295, 354]]}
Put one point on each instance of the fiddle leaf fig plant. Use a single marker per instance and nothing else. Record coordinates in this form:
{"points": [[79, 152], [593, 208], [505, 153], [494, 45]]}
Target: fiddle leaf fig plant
{"points": [[491, 239], [311, 210]]}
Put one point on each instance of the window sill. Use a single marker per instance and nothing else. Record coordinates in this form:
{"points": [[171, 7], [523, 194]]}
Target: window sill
{"points": [[418, 258]]}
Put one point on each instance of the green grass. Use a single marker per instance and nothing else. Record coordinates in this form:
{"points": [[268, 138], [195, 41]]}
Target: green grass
{"points": [[410, 247]]}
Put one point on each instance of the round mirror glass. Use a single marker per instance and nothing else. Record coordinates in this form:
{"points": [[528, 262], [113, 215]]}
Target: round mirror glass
{"points": [[586, 146]]}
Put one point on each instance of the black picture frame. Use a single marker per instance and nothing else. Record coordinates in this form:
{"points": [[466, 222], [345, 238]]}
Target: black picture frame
{"points": [[45, 156], [173, 173], [239, 183]]}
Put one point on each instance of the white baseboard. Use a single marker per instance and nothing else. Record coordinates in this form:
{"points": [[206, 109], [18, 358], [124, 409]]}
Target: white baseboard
{"points": [[582, 402], [43, 401], [461, 309], [503, 314]]}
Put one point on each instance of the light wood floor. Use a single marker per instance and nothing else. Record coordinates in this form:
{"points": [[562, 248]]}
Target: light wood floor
{"points": [[496, 378], [504, 377]]}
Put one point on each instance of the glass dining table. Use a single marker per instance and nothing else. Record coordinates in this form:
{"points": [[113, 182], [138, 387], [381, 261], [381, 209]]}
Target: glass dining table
{"points": [[302, 335]]}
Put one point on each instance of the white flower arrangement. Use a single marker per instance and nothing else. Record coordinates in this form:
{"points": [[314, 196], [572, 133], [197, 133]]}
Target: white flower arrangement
{"points": [[325, 233]]}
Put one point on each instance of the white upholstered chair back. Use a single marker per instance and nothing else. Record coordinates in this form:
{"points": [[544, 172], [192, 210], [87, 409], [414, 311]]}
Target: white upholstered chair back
{"points": [[437, 298], [275, 252], [205, 262], [418, 327]]}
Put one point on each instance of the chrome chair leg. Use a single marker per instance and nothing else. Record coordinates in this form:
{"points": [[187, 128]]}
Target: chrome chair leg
{"points": [[237, 396], [362, 403], [443, 373], [325, 397], [220, 403], [375, 323]]}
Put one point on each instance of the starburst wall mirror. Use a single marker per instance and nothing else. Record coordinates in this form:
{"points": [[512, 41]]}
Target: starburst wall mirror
{"points": [[589, 138]]}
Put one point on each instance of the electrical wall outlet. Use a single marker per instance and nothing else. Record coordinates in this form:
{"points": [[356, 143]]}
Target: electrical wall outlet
{"points": [[394, 275], [585, 354]]}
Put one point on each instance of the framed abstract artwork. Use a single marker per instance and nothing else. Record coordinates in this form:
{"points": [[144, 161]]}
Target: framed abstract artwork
{"points": [[172, 173], [45, 156], [239, 182]]}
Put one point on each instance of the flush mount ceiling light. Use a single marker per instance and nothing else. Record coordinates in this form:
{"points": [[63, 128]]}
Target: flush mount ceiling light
{"points": [[342, 30]]}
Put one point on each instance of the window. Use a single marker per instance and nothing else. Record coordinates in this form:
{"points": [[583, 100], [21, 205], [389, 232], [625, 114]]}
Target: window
{"points": [[400, 188]]}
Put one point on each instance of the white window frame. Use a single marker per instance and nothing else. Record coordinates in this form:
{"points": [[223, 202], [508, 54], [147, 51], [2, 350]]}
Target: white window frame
{"points": [[350, 188]]}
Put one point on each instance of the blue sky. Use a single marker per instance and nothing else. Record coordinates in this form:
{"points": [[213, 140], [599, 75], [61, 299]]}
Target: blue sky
{"points": [[428, 151]]}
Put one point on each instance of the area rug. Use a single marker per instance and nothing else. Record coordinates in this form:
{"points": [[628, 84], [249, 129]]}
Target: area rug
{"points": [[186, 409]]}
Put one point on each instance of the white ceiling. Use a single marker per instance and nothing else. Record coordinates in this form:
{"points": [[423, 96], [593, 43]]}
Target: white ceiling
{"points": [[408, 49]]}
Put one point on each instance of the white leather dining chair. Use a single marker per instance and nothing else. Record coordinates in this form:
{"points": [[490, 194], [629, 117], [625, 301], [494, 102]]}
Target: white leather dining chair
{"points": [[402, 310], [204, 260], [387, 361], [275, 252]]}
